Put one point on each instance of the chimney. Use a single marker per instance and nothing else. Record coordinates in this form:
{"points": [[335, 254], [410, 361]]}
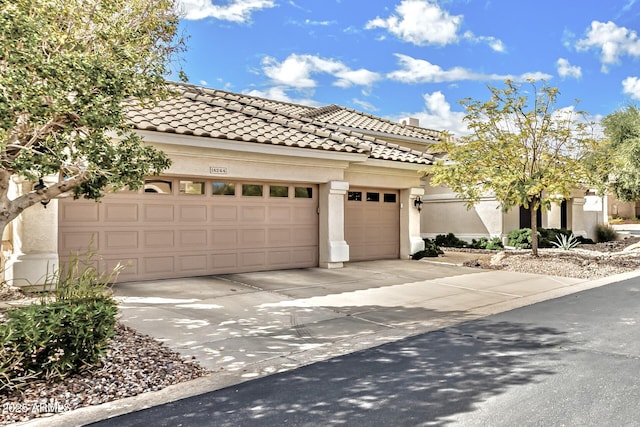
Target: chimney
{"points": [[411, 121]]}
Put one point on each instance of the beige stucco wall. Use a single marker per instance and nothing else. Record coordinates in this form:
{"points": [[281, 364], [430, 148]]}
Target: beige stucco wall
{"points": [[443, 212], [267, 166], [383, 174], [34, 257], [618, 209]]}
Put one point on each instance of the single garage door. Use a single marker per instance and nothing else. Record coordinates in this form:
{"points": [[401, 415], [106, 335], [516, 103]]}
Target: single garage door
{"points": [[372, 224], [193, 227]]}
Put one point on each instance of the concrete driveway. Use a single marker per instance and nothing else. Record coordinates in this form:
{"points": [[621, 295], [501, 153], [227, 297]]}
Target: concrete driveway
{"points": [[254, 324], [243, 326]]}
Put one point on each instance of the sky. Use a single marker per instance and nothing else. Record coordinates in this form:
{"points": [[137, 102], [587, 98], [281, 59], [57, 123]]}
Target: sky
{"points": [[415, 58]]}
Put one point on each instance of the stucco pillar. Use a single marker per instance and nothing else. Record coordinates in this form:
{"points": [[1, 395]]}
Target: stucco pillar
{"points": [[410, 238], [35, 243], [554, 216], [334, 250], [577, 217]]}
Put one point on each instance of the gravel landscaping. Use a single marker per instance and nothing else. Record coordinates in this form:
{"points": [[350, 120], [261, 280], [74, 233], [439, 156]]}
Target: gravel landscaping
{"points": [[584, 262], [136, 363]]}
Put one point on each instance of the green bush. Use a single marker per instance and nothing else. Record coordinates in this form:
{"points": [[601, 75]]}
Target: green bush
{"points": [[449, 241], [61, 337], [431, 249], [67, 331], [605, 233], [520, 238], [495, 244], [548, 236]]}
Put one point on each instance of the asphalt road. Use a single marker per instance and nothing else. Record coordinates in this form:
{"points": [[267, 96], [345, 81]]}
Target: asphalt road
{"points": [[573, 361]]}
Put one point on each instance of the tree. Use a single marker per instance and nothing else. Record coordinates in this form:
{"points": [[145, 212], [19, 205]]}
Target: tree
{"points": [[623, 130], [523, 151], [66, 69]]}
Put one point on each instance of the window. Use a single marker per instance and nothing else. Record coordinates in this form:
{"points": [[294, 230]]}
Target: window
{"points": [[389, 198], [304, 193], [191, 187], [354, 196], [223, 189], [278, 191], [158, 186], [252, 190], [373, 197]]}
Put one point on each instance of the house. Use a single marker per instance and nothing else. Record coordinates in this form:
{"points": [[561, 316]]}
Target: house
{"points": [[255, 184], [444, 212], [258, 184]]}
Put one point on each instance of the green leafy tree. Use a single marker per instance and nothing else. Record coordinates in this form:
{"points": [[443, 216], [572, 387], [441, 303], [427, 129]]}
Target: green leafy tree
{"points": [[521, 149], [623, 130], [66, 69]]}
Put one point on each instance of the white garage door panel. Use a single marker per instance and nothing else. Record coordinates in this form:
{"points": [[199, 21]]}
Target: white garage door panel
{"points": [[372, 223], [180, 235]]}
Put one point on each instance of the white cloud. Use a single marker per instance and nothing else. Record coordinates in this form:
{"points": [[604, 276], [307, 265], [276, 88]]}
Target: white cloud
{"points": [[423, 22], [296, 71], [420, 22], [612, 41], [631, 86], [235, 11], [203, 83], [565, 69], [422, 71], [437, 115], [319, 23], [495, 44], [279, 93], [367, 106]]}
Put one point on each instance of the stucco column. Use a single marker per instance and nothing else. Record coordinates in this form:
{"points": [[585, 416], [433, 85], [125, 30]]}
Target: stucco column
{"points": [[410, 238], [577, 217], [554, 216], [35, 243], [334, 250]]}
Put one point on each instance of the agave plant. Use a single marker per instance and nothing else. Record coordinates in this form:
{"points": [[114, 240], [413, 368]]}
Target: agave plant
{"points": [[566, 242]]}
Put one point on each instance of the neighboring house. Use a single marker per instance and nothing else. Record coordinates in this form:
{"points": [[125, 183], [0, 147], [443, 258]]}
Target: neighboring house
{"points": [[443, 211], [255, 184], [258, 184]]}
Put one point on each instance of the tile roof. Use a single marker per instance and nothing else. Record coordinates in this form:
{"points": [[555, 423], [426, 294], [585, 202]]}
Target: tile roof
{"points": [[355, 119], [219, 114]]}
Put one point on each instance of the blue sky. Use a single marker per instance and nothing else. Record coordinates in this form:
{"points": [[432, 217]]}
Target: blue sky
{"points": [[415, 58]]}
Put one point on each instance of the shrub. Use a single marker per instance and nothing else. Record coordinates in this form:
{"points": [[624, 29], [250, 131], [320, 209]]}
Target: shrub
{"points": [[520, 238], [495, 244], [548, 236], [449, 241], [584, 240], [67, 331], [605, 233], [431, 249], [60, 337]]}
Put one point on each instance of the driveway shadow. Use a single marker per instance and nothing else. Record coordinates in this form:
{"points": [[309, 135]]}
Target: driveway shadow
{"points": [[423, 380]]}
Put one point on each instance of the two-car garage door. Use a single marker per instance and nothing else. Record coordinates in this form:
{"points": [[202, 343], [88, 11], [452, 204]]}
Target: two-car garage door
{"points": [[191, 227]]}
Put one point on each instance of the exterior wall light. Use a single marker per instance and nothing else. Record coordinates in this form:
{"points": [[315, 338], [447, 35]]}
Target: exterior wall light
{"points": [[41, 186], [417, 202]]}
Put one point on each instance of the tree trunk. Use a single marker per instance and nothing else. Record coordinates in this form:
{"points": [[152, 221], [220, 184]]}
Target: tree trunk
{"points": [[533, 210]]}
